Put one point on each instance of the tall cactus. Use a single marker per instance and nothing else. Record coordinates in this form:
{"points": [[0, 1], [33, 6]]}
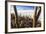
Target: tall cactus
{"points": [[16, 16], [36, 15]]}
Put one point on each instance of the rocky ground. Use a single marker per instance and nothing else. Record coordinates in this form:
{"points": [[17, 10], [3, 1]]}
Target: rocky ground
{"points": [[23, 22]]}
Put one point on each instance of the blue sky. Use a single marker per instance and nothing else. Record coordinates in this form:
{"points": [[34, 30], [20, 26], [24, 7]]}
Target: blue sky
{"points": [[25, 7]]}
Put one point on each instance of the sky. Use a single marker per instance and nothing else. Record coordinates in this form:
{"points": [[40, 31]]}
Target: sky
{"points": [[25, 7], [25, 10]]}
